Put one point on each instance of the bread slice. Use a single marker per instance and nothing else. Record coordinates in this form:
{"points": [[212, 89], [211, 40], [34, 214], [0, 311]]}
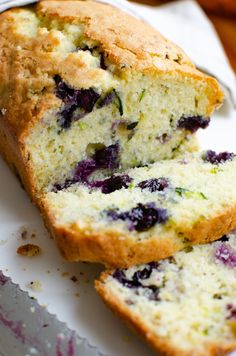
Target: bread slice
{"points": [[146, 213], [184, 305], [80, 76]]}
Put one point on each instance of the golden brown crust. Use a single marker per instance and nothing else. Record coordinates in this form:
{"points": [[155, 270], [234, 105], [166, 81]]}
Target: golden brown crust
{"points": [[124, 38], [122, 250], [163, 346], [220, 6], [16, 158]]}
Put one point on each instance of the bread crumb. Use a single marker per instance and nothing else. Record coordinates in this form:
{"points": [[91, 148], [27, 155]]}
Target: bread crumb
{"points": [[74, 279], [64, 274], [77, 295], [3, 111], [24, 234], [29, 250], [36, 286]]}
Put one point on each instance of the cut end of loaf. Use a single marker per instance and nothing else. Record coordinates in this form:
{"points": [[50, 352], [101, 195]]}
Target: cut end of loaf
{"points": [[182, 305]]}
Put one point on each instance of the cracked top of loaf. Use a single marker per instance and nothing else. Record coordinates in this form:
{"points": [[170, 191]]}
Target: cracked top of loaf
{"points": [[88, 44]]}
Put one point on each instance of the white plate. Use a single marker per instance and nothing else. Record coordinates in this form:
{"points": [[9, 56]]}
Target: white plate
{"points": [[85, 313]]}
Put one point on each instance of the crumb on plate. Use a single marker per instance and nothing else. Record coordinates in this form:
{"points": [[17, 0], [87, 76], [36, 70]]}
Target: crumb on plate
{"points": [[29, 250]]}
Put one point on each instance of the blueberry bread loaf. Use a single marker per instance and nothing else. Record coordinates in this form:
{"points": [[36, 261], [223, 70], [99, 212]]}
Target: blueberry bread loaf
{"points": [[144, 213], [184, 305], [77, 77]]}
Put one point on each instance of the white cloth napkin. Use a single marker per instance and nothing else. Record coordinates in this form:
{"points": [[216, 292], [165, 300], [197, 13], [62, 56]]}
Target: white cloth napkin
{"points": [[184, 23]]}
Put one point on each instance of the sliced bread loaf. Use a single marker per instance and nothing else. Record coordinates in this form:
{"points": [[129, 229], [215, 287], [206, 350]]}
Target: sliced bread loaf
{"points": [[144, 213], [77, 77], [184, 305]]}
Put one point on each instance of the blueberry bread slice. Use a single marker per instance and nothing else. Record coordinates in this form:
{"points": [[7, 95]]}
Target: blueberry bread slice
{"points": [[143, 214], [184, 305], [77, 77]]}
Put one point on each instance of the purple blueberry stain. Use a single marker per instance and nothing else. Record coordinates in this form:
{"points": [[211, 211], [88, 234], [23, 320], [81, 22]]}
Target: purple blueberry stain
{"points": [[61, 186], [3, 279], [87, 98], [113, 183], [107, 99], [15, 327], [135, 282], [112, 97], [154, 184], [104, 158], [64, 92], [108, 157], [130, 283], [225, 254], [231, 311], [113, 214], [70, 348], [142, 217], [82, 99], [58, 346], [66, 116], [84, 169], [142, 274], [193, 123], [146, 271], [217, 158]]}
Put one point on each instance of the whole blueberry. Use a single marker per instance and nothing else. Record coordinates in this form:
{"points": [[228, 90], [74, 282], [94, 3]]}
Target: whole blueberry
{"points": [[154, 184], [114, 183], [217, 158], [226, 254], [193, 123], [142, 217], [107, 157]]}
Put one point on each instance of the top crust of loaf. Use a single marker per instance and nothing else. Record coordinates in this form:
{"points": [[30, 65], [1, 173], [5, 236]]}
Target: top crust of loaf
{"points": [[27, 65], [124, 38]]}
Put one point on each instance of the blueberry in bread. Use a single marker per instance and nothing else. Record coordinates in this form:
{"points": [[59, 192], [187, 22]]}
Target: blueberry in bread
{"points": [[184, 305], [80, 79], [145, 213]]}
